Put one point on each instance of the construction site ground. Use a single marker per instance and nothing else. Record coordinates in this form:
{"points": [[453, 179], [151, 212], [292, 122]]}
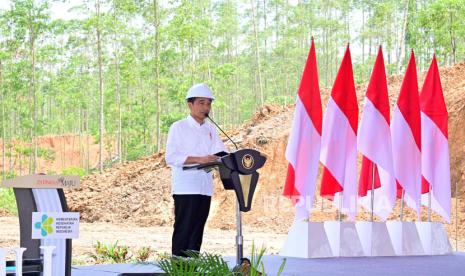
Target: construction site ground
{"points": [[132, 202]]}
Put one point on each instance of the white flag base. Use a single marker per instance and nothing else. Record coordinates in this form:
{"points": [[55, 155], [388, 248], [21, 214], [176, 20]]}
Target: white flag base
{"points": [[343, 239], [307, 240], [322, 240], [405, 238], [375, 238], [350, 239], [434, 238]]}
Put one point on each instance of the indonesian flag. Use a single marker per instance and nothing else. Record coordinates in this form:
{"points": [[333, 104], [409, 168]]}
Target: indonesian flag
{"points": [[406, 138], [339, 141], [374, 143], [303, 148], [435, 168]]}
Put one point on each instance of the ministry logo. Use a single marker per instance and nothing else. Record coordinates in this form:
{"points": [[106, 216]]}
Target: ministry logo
{"points": [[45, 226]]}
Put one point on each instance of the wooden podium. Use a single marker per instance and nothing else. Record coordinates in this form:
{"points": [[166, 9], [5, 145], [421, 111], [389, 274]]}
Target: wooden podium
{"points": [[42, 193]]}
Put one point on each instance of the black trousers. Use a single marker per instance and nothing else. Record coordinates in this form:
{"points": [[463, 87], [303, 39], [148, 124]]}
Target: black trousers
{"points": [[190, 216]]}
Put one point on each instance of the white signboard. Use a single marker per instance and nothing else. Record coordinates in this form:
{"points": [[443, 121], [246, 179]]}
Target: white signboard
{"points": [[39, 181], [48, 225]]}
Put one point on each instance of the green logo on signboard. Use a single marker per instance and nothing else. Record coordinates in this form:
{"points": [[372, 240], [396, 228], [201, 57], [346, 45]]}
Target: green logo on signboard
{"points": [[45, 226]]}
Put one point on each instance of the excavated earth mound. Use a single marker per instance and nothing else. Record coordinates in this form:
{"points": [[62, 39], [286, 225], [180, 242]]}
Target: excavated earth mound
{"points": [[138, 192]]}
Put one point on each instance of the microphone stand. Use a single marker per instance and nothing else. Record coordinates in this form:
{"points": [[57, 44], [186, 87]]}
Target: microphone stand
{"points": [[229, 138], [239, 237]]}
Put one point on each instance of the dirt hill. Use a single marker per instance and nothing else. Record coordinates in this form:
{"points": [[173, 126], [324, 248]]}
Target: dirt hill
{"points": [[139, 192], [59, 152]]}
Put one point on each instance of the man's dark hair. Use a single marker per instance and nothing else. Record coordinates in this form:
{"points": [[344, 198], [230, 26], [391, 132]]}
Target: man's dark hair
{"points": [[191, 100]]}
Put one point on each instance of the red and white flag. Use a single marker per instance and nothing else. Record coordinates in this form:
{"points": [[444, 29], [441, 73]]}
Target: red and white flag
{"points": [[339, 142], [406, 138], [435, 168], [374, 143], [303, 148]]}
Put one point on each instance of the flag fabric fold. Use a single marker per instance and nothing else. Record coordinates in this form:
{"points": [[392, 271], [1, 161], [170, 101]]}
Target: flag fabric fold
{"points": [[339, 142], [303, 148], [435, 167], [406, 138], [374, 143]]}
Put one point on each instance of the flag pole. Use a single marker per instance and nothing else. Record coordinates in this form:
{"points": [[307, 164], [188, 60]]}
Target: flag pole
{"points": [[372, 190], [402, 206], [429, 203], [239, 237], [456, 216]]}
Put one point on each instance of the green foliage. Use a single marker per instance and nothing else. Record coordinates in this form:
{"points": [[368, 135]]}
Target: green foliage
{"points": [[23, 150], [256, 261], [281, 99], [8, 200], [47, 154], [143, 254], [135, 148], [157, 52], [210, 264], [169, 118], [8, 175], [74, 171], [196, 263], [113, 253]]}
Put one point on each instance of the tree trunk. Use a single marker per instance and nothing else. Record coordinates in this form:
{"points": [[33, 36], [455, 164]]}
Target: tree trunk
{"points": [[81, 148], [144, 130], [120, 116], [100, 77], [265, 45], [363, 39], [118, 93], [326, 48], [33, 101], [277, 21], [257, 54], [88, 141], [20, 158], [157, 72], [2, 98], [236, 83], [401, 50], [63, 154], [453, 44], [287, 92], [10, 146]]}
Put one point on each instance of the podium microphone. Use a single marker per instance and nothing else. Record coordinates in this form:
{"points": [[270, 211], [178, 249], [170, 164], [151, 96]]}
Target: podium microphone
{"points": [[208, 116]]}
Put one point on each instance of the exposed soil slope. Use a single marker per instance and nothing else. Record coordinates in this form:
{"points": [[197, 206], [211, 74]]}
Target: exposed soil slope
{"points": [[138, 192]]}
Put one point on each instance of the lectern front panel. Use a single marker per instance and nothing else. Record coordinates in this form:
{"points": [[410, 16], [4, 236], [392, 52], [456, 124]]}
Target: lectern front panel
{"points": [[48, 200]]}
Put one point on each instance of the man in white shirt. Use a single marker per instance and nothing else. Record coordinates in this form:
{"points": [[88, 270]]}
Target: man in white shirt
{"points": [[192, 140]]}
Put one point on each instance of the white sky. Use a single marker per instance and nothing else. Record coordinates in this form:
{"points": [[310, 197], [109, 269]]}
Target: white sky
{"points": [[59, 10]]}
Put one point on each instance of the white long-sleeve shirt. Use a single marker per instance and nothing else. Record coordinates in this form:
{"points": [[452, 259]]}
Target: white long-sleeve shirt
{"points": [[187, 137]]}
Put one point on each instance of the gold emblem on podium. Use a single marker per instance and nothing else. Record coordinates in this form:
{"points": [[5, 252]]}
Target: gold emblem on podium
{"points": [[247, 161]]}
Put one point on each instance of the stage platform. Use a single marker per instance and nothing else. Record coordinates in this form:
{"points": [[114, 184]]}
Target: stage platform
{"points": [[449, 265]]}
